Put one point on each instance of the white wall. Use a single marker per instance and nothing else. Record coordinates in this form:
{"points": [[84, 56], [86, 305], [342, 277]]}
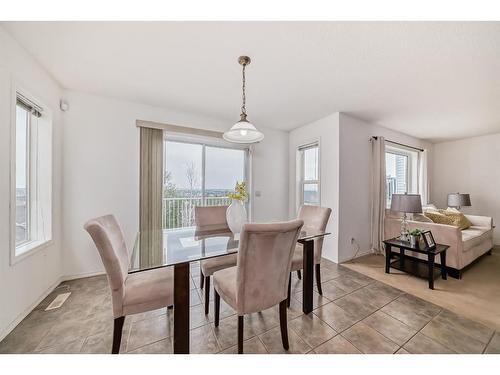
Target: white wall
{"points": [[325, 130], [354, 177], [471, 166], [101, 170], [345, 157], [23, 284]]}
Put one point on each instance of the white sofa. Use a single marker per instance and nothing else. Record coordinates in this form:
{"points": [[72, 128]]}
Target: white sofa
{"points": [[465, 245]]}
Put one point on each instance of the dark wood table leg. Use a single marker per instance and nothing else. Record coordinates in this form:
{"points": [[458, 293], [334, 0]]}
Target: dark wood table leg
{"points": [[307, 279], [388, 254], [431, 269], [401, 256], [444, 271], [181, 308]]}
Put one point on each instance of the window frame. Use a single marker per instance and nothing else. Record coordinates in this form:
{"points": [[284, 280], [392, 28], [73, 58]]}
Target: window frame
{"points": [[29, 223], [216, 143], [38, 239], [413, 157], [302, 181]]}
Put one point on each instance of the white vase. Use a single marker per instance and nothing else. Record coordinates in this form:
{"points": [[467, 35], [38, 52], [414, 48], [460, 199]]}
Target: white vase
{"points": [[236, 216]]}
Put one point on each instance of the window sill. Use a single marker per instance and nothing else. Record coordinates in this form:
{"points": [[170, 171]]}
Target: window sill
{"points": [[24, 251]]}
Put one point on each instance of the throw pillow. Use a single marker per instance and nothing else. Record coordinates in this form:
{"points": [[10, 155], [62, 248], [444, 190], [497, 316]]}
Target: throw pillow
{"points": [[449, 217], [439, 218], [459, 219]]}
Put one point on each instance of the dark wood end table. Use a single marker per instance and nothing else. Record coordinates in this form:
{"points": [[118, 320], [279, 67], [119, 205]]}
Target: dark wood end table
{"points": [[413, 265]]}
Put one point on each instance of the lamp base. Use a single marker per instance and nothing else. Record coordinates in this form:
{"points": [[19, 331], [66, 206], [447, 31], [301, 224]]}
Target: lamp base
{"points": [[404, 233]]}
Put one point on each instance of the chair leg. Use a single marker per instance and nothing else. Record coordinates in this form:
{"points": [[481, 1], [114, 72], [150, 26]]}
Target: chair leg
{"points": [[202, 279], [207, 294], [318, 278], [216, 308], [288, 299], [240, 334], [283, 325], [299, 275], [117, 334]]}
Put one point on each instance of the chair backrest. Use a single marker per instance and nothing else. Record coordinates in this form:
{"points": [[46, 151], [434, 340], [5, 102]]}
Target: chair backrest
{"points": [[315, 217], [264, 262], [210, 216], [109, 240]]}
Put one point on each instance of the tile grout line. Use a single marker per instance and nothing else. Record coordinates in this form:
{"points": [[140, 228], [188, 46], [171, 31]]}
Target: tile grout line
{"points": [[489, 342]]}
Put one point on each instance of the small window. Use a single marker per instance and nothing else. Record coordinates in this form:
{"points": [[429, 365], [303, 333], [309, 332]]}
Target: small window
{"points": [[31, 177], [23, 117], [401, 169], [309, 175]]}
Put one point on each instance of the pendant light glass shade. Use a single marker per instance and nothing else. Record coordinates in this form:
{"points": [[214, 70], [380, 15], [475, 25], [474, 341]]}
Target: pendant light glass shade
{"points": [[243, 131]]}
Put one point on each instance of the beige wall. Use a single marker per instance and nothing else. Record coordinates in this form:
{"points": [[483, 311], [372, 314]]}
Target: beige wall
{"points": [[471, 166]]}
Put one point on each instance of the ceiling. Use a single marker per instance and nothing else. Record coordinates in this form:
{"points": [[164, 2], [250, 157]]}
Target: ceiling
{"points": [[432, 80]]}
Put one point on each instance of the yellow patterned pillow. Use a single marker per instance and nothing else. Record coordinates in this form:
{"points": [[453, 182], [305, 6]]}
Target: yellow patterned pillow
{"points": [[439, 218], [459, 219], [449, 217]]}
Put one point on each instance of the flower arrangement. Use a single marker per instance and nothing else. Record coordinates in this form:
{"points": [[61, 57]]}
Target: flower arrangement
{"points": [[239, 193]]}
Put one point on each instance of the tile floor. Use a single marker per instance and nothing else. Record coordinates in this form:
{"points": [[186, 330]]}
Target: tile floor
{"points": [[356, 314]]}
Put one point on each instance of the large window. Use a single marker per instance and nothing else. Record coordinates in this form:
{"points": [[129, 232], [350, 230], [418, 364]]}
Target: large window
{"points": [[31, 166], [401, 169], [309, 174], [198, 174]]}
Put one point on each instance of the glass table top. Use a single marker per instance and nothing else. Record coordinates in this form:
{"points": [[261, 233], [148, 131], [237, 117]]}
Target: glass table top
{"points": [[169, 247]]}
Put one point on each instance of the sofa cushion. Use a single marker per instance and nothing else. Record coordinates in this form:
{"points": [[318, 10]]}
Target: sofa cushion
{"points": [[474, 236], [421, 218], [429, 207]]}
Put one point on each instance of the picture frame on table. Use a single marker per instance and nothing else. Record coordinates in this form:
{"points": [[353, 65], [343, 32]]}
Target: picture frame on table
{"points": [[429, 241]]}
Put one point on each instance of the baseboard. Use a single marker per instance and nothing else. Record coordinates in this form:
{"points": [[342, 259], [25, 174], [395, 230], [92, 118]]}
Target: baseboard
{"points": [[358, 255], [82, 275], [25, 313]]}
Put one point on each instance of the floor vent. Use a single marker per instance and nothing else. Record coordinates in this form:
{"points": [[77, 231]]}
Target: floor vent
{"points": [[58, 301]]}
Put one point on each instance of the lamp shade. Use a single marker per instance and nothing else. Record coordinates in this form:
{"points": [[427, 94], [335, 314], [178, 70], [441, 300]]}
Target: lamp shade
{"points": [[458, 200], [407, 203], [243, 132]]}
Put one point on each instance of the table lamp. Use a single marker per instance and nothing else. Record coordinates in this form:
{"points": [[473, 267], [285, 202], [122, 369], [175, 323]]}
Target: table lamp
{"points": [[406, 203], [458, 200]]}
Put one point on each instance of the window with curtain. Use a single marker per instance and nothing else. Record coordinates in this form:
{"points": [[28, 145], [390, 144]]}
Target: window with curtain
{"points": [[31, 166], [401, 168], [309, 174], [198, 174]]}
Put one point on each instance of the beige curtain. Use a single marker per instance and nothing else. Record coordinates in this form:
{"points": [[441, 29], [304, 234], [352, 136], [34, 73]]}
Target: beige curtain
{"points": [[378, 198], [150, 197], [423, 181]]}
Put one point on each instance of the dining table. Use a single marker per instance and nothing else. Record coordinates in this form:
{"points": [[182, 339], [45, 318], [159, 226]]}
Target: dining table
{"points": [[178, 248]]}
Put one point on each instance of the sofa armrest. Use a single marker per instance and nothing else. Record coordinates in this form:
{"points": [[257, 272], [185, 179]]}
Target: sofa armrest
{"points": [[480, 221]]}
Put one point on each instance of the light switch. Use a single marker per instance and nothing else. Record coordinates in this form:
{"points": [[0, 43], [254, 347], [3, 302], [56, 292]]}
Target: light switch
{"points": [[258, 193]]}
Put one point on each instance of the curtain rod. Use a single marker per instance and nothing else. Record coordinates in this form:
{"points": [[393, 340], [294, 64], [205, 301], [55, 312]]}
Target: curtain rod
{"points": [[401, 144]]}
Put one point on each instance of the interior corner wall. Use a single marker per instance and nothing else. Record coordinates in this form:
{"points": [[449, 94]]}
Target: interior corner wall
{"points": [[25, 283], [101, 170], [326, 131], [355, 181], [471, 166]]}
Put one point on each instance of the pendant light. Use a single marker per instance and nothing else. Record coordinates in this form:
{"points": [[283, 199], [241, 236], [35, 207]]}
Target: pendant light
{"points": [[243, 131]]}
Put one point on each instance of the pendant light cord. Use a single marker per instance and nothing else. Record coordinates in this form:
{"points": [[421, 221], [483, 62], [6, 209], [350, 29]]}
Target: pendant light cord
{"points": [[243, 106]]}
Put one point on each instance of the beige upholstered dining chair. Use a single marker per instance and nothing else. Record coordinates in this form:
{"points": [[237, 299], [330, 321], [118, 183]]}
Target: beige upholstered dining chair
{"points": [[260, 279], [213, 217], [314, 217], [131, 293]]}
